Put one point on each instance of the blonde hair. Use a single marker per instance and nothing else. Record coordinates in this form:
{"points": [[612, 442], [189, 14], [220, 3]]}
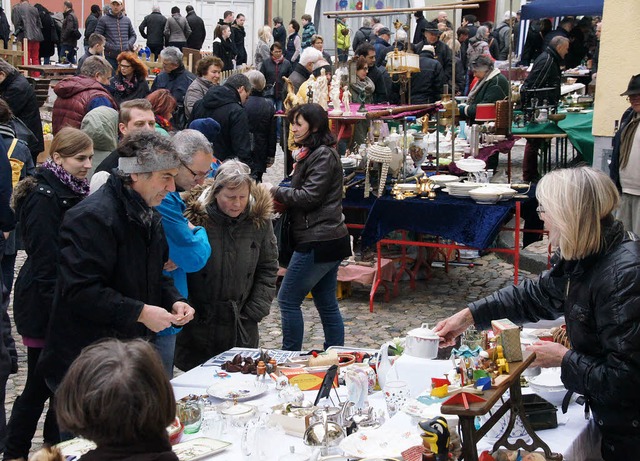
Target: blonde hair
{"points": [[69, 141], [576, 201], [264, 34]]}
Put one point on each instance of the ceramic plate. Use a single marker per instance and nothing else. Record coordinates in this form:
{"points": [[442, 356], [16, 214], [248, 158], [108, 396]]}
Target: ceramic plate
{"points": [[471, 165], [76, 447], [379, 443], [238, 391], [198, 448]]}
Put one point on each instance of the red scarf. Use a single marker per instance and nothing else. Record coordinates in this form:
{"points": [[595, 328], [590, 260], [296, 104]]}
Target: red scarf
{"points": [[280, 60]]}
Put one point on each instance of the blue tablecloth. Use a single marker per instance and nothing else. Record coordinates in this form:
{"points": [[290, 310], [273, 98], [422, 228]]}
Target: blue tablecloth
{"points": [[458, 219]]}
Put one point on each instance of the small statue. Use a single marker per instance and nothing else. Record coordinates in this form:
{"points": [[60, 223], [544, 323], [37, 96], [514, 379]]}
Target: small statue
{"points": [[321, 90], [335, 97], [346, 100]]}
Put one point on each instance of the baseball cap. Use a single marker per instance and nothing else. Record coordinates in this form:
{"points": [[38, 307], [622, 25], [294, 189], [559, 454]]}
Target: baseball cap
{"points": [[119, 2], [383, 31]]}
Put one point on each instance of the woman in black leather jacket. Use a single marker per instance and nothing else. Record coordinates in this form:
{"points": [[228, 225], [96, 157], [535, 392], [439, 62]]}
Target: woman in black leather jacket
{"points": [[594, 283], [321, 239]]}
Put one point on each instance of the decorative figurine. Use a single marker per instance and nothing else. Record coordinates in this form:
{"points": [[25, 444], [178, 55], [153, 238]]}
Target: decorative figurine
{"points": [[335, 97], [321, 90], [346, 100]]}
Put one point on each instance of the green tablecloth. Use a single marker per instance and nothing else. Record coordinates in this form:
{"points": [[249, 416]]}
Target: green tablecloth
{"points": [[577, 127]]}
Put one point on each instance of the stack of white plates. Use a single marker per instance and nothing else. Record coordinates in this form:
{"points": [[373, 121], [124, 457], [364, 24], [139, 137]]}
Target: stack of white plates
{"points": [[444, 179], [491, 193], [471, 165], [461, 189]]}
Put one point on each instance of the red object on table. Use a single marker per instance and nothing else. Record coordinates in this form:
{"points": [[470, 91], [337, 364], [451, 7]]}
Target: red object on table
{"points": [[463, 398], [439, 382], [485, 112]]}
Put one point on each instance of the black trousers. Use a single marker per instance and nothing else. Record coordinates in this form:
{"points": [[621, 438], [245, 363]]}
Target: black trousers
{"points": [[27, 410]]}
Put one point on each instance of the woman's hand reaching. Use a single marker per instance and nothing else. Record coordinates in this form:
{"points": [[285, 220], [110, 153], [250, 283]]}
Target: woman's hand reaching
{"points": [[449, 329]]}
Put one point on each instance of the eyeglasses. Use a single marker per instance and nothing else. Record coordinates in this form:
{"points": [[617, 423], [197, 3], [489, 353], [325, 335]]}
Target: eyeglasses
{"points": [[125, 66], [197, 176], [539, 210]]}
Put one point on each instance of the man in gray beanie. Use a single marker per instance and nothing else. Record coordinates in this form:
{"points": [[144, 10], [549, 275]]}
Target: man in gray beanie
{"points": [[112, 253]]}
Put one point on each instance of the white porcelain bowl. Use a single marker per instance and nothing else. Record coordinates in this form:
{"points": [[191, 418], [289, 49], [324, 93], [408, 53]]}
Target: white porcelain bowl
{"points": [[490, 194], [443, 179], [548, 385], [471, 165]]}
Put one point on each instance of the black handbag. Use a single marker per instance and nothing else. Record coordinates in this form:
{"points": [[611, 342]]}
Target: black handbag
{"points": [[284, 237]]}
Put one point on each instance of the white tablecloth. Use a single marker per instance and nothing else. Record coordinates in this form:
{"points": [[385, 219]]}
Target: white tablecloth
{"points": [[575, 438]]}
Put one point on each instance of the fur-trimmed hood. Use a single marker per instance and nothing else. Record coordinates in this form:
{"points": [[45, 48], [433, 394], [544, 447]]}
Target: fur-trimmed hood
{"points": [[22, 190], [260, 204]]}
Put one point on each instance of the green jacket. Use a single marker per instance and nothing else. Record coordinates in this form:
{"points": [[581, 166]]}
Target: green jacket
{"points": [[494, 89], [342, 41]]}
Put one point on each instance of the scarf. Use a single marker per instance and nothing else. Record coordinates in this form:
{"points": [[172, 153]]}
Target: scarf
{"points": [[164, 123], [300, 154], [488, 76], [123, 86], [78, 186], [7, 131], [626, 140], [280, 60], [363, 89]]}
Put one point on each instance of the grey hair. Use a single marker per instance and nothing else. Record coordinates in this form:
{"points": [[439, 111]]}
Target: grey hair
{"points": [[239, 80], [257, 79], [188, 143], [147, 146], [6, 68], [231, 174], [557, 41], [482, 63], [95, 65], [482, 33], [106, 9], [156, 8], [366, 22], [172, 55]]}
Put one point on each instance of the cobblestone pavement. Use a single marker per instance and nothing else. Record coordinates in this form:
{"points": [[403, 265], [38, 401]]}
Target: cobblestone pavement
{"points": [[433, 299]]}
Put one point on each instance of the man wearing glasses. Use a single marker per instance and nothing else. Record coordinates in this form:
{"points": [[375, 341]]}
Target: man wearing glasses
{"points": [[625, 160], [189, 248]]}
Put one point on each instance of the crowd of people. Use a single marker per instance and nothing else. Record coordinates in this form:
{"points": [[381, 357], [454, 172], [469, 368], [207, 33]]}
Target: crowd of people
{"points": [[149, 219]]}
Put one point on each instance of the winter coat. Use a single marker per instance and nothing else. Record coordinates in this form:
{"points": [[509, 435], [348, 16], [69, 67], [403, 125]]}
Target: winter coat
{"points": [[238, 34], [545, 73], [225, 51], [89, 27], [496, 88], [40, 202], [26, 21], [189, 249], [5, 29], [503, 33], [21, 97], [195, 93], [119, 34], [198, 31], [293, 48], [50, 37], [314, 199], [598, 297], [152, 28], [308, 31], [614, 167], [101, 125], [263, 130], [112, 252], [222, 103], [533, 47], [176, 29], [382, 48], [177, 82], [421, 25], [69, 27], [279, 35], [476, 49], [262, 53], [75, 94], [234, 291], [122, 92], [363, 35], [7, 217], [342, 41], [444, 56], [426, 86], [299, 75], [273, 73]]}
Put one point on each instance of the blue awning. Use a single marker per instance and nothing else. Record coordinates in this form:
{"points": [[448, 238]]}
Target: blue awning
{"points": [[536, 9]]}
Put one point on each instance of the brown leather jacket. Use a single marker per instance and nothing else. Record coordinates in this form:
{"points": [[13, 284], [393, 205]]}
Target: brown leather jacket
{"points": [[315, 197]]}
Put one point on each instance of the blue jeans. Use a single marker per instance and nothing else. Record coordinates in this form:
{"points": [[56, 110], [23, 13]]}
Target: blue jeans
{"points": [[166, 347], [70, 53], [321, 279]]}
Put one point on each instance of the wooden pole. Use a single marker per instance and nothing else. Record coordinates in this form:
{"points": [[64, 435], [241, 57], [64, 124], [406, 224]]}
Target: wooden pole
{"points": [[392, 11]]}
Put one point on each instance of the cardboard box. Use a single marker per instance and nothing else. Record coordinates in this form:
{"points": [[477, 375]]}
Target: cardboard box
{"points": [[306, 380], [509, 334], [294, 423]]}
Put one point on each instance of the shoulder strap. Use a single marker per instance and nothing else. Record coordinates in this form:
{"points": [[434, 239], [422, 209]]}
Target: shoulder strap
{"points": [[12, 147]]}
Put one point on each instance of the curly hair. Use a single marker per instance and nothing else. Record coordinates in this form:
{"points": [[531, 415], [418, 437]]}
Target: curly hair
{"points": [[139, 68], [162, 102], [202, 66]]}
